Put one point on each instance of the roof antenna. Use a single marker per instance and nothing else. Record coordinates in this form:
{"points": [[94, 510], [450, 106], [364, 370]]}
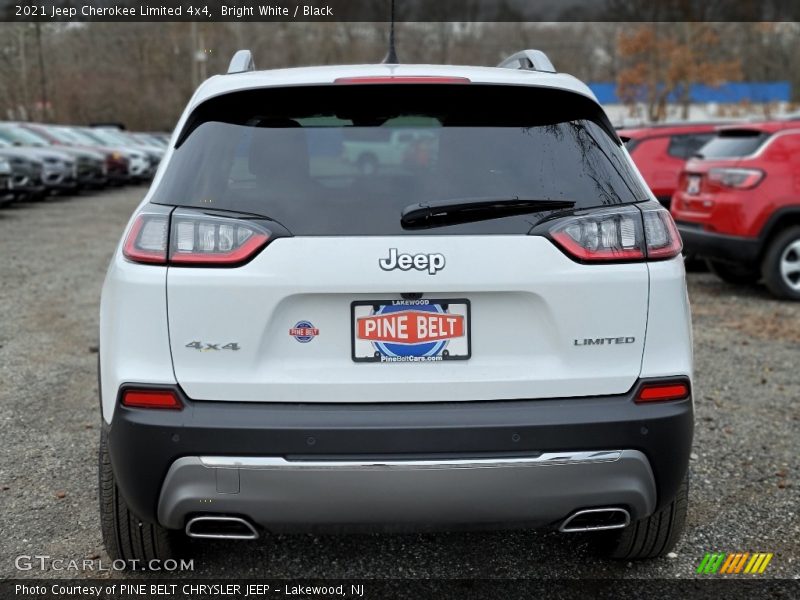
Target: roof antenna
{"points": [[391, 56]]}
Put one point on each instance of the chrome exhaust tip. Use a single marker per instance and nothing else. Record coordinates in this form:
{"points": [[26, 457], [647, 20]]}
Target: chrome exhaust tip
{"points": [[596, 519], [220, 528]]}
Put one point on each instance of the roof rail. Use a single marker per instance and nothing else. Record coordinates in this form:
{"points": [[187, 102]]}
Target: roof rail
{"points": [[529, 60], [242, 62]]}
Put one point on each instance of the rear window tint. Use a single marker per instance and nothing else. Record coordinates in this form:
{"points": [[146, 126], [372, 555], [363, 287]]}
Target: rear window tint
{"points": [[346, 160], [733, 144], [687, 145]]}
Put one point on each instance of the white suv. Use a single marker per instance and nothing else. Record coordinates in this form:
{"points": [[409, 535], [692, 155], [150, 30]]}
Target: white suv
{"points": [[494, 330]]}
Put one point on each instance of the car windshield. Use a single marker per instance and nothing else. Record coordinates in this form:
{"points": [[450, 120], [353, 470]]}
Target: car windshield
{"points": [[109, 137], [17, 135], [64, 135], [348, 161], [86, 138]]}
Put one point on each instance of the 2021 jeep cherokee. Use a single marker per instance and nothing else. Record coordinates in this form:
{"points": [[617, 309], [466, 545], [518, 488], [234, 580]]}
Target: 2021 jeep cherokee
{"points": [[499, 334]]}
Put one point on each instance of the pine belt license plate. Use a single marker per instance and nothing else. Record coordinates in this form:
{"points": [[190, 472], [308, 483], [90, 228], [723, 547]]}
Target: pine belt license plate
{"points": [[410, 331]]}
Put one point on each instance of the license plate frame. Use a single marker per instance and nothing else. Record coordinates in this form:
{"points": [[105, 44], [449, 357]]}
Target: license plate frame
{"points": [[422, 351]]}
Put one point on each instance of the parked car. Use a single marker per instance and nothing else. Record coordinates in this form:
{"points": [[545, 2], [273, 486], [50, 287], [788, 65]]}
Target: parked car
{"points": [[139, 164], [661, 151], [738, 205], [28, 169], [59, 172], [383, 149], [115, 163], [111, 135], [6, 194], [500, 337], [150, 139], [90, 169], [26, 173]]}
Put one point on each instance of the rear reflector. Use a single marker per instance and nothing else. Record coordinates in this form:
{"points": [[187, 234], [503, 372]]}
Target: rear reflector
{"points": [[166, 399], [400, 79], [663, 392]]}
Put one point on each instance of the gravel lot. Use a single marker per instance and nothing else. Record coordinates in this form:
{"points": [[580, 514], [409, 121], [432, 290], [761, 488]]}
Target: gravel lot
{"points": [[745, 472]]}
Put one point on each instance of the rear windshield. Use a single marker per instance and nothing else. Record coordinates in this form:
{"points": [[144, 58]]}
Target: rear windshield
{"points": [[733, 144], [346, 160]]}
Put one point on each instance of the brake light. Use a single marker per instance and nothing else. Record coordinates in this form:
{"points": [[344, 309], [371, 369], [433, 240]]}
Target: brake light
{"points": [[195, 239], [147, 240], [663, 392], [400, 79], [163, 399], [735, 178], [618, 235], [661, 234], [208, 240]]}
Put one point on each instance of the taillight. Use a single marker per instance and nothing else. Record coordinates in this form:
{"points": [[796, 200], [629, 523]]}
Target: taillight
{"points": [[195, 239], [663, 391], [735, 178], [621, 234], [147, 239], [205, 240], [164, 399], [660, 234]]}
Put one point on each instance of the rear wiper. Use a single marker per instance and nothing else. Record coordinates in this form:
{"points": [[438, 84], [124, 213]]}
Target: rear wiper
{"points": [[466, 210]]}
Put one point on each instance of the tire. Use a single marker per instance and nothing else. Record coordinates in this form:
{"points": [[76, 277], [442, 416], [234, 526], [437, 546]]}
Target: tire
{"points": [[126, 537], [781, 266], [733, 274], [651, 537]]}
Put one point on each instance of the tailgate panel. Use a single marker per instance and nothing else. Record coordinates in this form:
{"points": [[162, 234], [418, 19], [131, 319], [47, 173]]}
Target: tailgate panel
{"points": [[541, 325]]}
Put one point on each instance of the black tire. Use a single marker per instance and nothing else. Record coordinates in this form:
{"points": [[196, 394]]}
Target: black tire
{"points": [[733, 274], [126, 537], [651, 537], [781, 250]]}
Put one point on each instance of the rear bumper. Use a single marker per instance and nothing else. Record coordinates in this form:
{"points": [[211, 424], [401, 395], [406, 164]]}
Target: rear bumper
{"points": [[717, 246], [164, 461], [277, 494]]}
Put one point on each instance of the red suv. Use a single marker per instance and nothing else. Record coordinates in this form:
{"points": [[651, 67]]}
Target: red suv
{"points": [[738, 205], [660, 152]]}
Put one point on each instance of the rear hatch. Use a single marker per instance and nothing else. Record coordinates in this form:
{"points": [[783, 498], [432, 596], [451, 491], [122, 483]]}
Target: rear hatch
{"points": [[726, 163], [346, 302]]}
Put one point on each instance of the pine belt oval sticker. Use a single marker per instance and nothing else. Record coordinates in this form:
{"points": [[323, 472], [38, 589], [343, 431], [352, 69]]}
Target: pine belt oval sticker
{"points": [[304, 332]]}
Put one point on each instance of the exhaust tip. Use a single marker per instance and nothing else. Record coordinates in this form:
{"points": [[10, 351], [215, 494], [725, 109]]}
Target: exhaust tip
{"points": [[596, 519], [220, 528]]}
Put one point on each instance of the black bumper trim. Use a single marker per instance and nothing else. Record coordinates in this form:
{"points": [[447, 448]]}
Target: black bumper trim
{"points": [[717, 246], [143, 444]]}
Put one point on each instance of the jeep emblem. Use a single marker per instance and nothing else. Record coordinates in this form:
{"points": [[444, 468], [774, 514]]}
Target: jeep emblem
{"points": [[421, 262]]}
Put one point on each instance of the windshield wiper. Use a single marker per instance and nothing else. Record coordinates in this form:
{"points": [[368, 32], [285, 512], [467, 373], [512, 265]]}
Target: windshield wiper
{"points": [[467, 210]]}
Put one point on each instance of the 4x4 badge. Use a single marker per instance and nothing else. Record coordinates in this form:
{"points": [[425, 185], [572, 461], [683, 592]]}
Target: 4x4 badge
{"points": [[421, 262]]}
